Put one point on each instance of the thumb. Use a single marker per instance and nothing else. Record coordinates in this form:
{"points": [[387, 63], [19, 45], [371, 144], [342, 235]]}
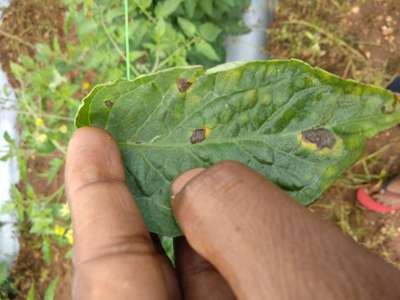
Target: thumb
{"points": [[269, 247], [221, 211]]}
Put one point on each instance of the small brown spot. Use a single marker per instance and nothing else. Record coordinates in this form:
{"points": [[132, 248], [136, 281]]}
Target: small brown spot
{"points": [[109, 103], [143, 59], [198, 135], [395, 102], [183, 84], [321, 137]]}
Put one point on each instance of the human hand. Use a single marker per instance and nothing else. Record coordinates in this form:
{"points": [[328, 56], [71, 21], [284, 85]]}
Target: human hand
{"points": [[114, 255], [262, 243]]}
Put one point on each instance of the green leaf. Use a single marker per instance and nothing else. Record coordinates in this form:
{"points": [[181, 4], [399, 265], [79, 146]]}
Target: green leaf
{"points": [[51, 289], [159, 29], [18, 201], [4, 273], [17, 70], [7, 137], [46, 250], [55, 167], [190, 6], [210, 31], [44, 52], [96, 106], [299, 126], [207, 6], [32, 292], [207, 50], [143, 3], [167, 7], [167, 244], [187, 27], [27, 62], [230, 3], [236, 28]]}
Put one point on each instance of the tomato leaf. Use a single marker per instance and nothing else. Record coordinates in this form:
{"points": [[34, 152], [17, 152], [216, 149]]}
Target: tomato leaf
{"points": [[207, 6], [190, 7], [159, 29], [210, 31], [144, 3], [207, 50], [299, 126], [51, 289], [167, 7], [187, 27]]}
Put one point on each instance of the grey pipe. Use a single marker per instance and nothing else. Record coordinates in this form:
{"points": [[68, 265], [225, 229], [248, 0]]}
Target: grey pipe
{"points": [[9, 246], [252, 45]]}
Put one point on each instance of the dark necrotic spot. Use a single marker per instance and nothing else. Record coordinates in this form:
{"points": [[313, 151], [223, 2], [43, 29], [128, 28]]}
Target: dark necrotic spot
{"points": [[321, 137], [183, 84], [109, 103], [198, 135]]}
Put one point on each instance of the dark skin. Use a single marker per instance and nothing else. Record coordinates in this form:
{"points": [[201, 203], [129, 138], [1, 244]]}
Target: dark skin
{"points": [[245, 238]]}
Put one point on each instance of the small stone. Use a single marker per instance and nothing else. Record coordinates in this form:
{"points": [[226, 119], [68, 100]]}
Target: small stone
{"points": [[386, 30], [368, 54], [355, 10]]}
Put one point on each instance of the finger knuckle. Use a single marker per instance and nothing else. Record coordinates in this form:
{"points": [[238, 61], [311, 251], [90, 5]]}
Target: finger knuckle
{"points": [[227, 166], [206, 196], [132, 245]]}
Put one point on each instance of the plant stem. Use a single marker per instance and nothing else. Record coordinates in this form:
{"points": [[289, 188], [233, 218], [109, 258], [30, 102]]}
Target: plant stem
{"points": [[127, 50], [147, 15], [329, 35], [115, 45], [62, 149], [17, 39], [166, 60]]}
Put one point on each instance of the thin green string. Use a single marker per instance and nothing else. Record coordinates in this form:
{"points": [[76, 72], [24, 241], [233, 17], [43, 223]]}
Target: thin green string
{"points": [[127, 50]]}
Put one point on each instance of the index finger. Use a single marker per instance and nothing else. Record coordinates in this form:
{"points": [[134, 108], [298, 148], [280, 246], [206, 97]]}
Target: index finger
{"points": [[112, 242]]}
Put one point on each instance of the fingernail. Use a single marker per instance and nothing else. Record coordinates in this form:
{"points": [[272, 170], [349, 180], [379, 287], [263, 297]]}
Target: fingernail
{"points": [[180, 182]]}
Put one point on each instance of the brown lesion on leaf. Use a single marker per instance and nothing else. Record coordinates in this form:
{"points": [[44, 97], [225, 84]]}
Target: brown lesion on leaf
{"points": [[395, 103], [396, 100], [321, 137], [183, 84], [109, 103], [198, 135]]}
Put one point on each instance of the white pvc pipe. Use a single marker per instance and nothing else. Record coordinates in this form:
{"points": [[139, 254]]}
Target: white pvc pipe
{"points": [[9, 245], [252, 45]]}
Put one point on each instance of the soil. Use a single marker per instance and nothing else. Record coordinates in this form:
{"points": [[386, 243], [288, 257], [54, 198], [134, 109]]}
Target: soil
{"points": [[30, 266], [26, 23], [360, 40], [381, 42], [357, 39]]}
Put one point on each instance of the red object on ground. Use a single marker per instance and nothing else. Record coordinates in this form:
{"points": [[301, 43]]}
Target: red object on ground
{"points": [[368, 202]]}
